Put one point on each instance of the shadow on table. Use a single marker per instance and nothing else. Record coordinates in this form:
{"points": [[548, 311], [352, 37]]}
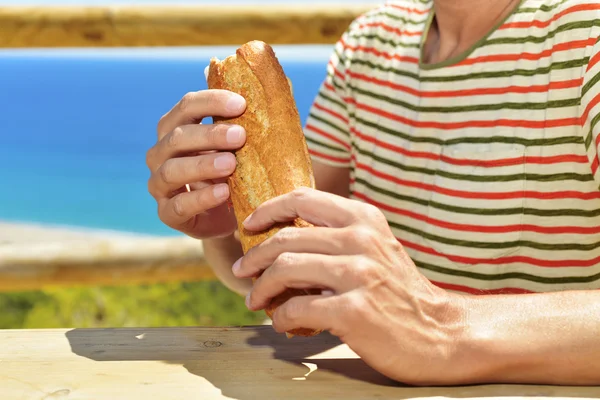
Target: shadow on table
{"points": [[263, 359], [256, 362], [298, 350]]}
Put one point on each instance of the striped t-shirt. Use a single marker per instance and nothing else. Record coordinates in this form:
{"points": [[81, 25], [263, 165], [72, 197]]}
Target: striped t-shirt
{"points": [[485, 165]]}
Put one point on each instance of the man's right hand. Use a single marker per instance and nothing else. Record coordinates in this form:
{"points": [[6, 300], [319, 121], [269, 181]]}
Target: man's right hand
{"points": [[201, 156]]}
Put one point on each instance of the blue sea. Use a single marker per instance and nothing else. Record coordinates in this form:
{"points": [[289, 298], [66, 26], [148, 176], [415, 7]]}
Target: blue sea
{"points": [[75, 125]]}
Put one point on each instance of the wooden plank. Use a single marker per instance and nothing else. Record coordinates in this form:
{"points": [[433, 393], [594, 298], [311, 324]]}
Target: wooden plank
{"points": [[109, 26], [107, 261], [209, 363]]}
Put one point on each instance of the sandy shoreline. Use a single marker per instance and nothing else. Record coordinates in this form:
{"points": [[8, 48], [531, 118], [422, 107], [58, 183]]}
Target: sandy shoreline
{"points": [[36, 256], [19, 233]]}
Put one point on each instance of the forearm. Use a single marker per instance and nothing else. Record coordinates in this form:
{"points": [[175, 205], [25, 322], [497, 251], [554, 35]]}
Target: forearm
{"points": [[221, 253], [551, 338]]}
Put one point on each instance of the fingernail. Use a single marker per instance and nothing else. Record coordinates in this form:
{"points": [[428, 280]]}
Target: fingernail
{"points": [[248, 300], [235, 104], [221, 191], [236, 266], [224, 162], [247, 220], [234, 134]]}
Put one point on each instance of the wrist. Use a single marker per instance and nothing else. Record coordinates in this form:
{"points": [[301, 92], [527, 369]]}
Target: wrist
{"points": [[480, 351], [227, 240], [220, 253], [468, 351], [451, 316]]}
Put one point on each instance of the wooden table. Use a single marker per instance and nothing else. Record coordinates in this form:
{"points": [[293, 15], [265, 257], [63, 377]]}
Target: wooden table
{"points": [[208, 363]]}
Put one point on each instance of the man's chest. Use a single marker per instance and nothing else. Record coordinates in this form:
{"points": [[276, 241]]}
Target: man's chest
{"points": [[481, 170]]}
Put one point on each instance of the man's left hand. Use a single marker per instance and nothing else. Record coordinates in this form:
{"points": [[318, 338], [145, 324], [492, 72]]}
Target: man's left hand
{"points": [[374, 298]]}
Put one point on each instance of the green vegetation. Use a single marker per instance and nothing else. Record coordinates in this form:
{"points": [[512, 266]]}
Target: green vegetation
{"points": [[176, 304]]}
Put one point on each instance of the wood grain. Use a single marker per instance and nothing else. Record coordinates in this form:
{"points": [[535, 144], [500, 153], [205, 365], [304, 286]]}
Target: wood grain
{"points": [[209, 363], [109, 26]]}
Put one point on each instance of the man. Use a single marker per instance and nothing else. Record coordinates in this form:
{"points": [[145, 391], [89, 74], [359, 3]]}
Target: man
{"points": [[458, 206]]}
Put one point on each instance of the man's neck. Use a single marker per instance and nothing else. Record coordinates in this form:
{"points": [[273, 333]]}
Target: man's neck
{"points": [[459, 24]]}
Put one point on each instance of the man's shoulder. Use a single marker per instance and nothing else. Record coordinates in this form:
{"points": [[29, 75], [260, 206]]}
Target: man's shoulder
{"points": [[559, 12], [408, 7], [392, 22], [570, 27], [399, 10]]}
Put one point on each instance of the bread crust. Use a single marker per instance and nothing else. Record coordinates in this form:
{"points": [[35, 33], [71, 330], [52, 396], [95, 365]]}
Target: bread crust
{"points": [[275, 159]]}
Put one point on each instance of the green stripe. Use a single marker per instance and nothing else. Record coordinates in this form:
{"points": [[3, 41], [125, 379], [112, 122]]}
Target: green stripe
{"points": [[337, 86], [400, 18], [562, 65], [327, 146], [337, 102], [478, 178], [470, 108], [508, 275], [328, 123], [416, 45], [491, 107], [455, 141], [341, 61], [543, 7], [541, 39], [496, 245], [481, 211], [518, 40], [595, 121], [470, 140], [590, 83], [590, 136], [358, 36]]}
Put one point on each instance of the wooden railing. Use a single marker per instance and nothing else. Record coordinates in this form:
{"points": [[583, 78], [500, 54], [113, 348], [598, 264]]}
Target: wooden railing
{"points": [[94, 261], [109, 26]]}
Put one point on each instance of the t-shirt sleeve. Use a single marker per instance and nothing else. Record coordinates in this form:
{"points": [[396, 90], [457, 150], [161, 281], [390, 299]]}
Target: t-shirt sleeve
{"points": [[327, 128], [590, 110]]}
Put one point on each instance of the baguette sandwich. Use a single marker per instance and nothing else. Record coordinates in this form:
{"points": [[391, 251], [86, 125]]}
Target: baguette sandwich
{"points": [[275, 160]]}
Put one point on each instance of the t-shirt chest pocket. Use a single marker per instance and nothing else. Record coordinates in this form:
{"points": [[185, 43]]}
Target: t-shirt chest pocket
{"points": [[475, 210]]}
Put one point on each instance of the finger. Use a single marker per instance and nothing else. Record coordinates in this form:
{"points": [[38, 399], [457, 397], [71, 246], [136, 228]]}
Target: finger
{"points": [[317, 240], [209, 182], [203, 184], [177, 172], [300, 271], [316, 207], [310, 312], [195, 106], [186, 139], [180, 209]]}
